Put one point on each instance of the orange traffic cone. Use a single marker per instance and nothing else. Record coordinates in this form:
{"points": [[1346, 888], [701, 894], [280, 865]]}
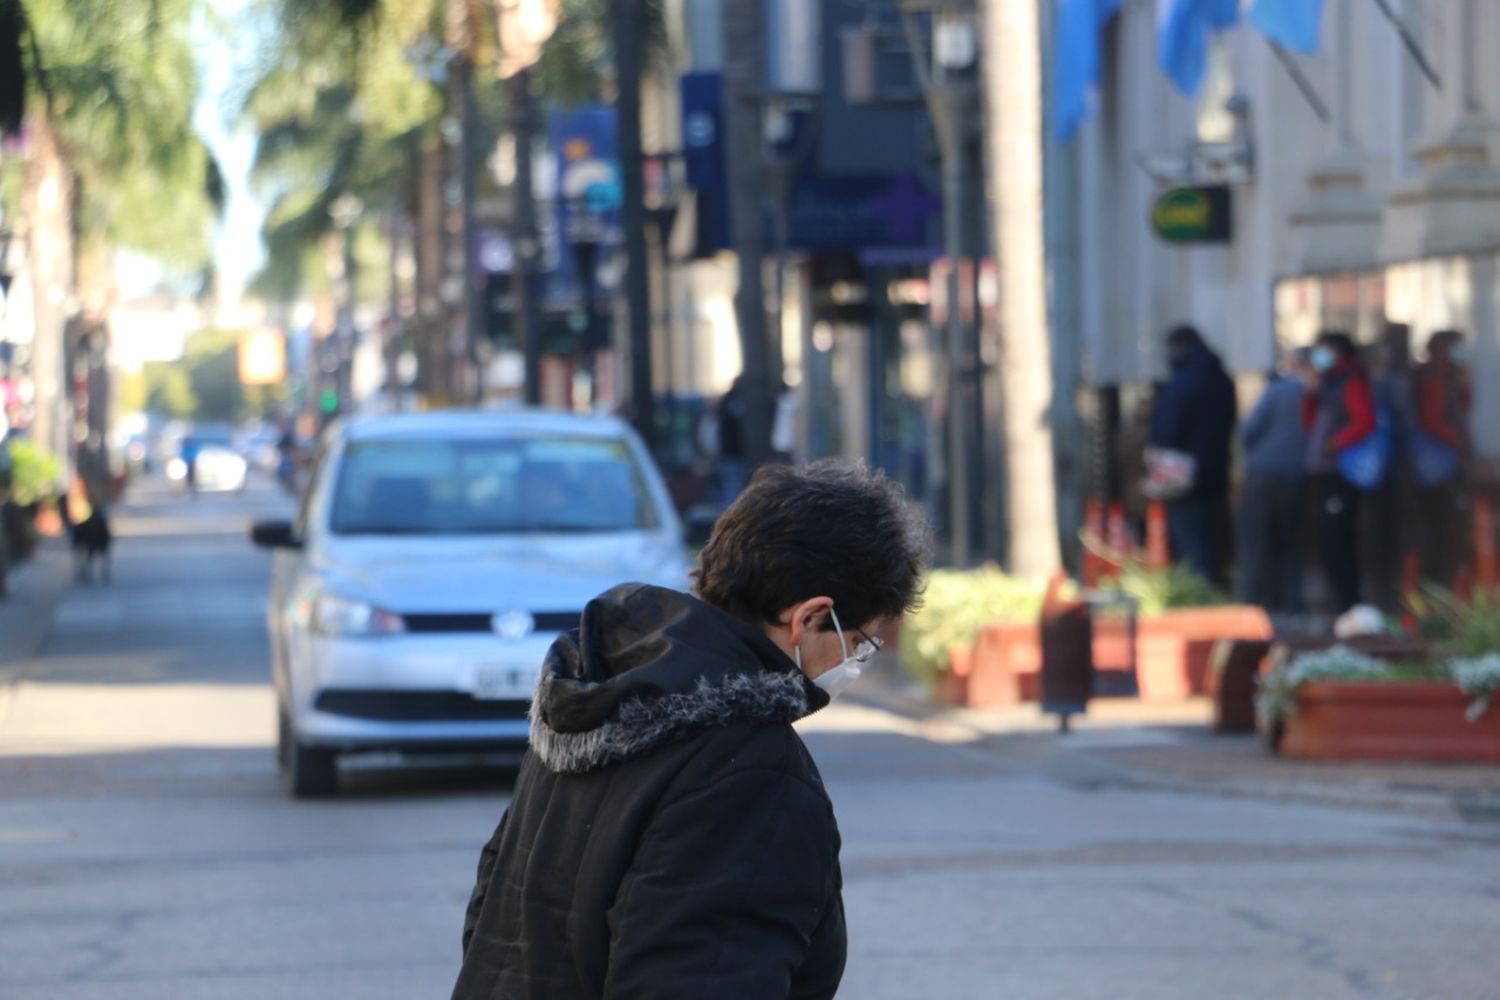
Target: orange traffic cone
{"points": [[1158, 546], [1484, 543], [1093, 527], [1121, 545], [1411, 582]]}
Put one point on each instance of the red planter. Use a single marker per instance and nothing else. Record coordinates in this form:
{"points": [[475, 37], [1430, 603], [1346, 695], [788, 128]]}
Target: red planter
{"points": [[952, 685], [1369, 720], [1174, 648], [1173, 652]]}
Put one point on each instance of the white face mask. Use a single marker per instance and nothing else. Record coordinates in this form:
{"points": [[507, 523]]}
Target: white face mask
{"points": [[848, 671]]}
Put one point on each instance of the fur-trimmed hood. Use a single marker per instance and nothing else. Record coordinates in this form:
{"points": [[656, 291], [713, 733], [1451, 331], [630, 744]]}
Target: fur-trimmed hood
{"points": [[648, 666]]}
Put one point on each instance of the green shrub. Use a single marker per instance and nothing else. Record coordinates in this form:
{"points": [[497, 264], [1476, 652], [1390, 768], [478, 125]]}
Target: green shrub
{"points": [[1157, 589], [955, 606], [34, 473], [1463, 627]]}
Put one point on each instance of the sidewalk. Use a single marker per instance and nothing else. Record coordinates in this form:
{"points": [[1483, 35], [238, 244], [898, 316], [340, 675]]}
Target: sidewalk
{"points": [[36, 587], [1126, 742]]}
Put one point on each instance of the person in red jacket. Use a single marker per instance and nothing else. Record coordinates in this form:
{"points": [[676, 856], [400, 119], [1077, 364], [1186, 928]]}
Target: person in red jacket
{"points": [[1338, 412], [1443, 400]]}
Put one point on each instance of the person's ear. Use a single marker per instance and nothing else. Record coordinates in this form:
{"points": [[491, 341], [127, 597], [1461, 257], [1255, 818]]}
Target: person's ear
{"points": [[806, 616]]}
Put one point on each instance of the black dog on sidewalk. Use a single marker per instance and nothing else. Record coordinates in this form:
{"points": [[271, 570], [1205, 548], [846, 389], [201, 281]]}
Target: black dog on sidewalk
{"points": [[91, 540]]}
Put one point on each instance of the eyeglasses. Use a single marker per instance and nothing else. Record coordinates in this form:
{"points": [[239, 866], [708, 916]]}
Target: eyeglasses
{"points": [[867, 646]]}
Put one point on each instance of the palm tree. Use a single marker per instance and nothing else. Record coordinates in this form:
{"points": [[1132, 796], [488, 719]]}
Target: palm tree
{"points": [[109, 92], [1014, 160]]}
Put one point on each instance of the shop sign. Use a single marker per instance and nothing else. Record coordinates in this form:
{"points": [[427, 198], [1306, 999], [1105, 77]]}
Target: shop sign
{"points": [[1193, 215]]}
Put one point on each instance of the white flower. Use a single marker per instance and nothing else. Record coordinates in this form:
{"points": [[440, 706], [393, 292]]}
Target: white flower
{"points": [[1278, 690], [1479, 678]]}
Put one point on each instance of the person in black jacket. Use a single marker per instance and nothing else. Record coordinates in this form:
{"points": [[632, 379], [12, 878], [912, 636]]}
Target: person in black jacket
{"points": [[669, 834], [1195, 413]]}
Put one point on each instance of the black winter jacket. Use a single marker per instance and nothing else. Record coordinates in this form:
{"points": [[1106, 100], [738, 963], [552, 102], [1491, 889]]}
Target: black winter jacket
{"points": [[669, 835], [1195, 412]]}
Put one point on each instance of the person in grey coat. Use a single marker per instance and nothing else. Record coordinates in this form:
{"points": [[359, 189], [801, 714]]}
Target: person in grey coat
{"points": [[1272, 498]]}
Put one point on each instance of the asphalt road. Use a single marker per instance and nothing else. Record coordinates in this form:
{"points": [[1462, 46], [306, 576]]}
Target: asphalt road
{"points": [[148, 851]]}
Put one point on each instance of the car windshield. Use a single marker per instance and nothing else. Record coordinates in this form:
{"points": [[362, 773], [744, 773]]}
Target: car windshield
{"points": [[490, 486]]}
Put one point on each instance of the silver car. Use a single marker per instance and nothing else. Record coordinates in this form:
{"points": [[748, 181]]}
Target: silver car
{"points": [[434, 560]]}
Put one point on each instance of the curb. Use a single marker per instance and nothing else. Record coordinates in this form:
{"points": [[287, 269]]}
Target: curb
{"points": [[1093, 767], [36, 588]]}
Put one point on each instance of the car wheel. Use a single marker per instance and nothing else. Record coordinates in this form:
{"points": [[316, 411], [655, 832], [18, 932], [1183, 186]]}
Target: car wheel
{"points": [[312, 772], [283, 741]]}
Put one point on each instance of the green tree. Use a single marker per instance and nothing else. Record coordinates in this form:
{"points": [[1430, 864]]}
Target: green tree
{"points": [[211, 362], [117, 82]]}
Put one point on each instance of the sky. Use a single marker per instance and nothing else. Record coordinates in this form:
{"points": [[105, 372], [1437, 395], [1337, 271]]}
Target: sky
{"points": [[237, 252], [223, 60]]}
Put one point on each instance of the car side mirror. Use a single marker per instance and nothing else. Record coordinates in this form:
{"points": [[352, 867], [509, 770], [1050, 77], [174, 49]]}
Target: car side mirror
{"points": [[274, 535]]}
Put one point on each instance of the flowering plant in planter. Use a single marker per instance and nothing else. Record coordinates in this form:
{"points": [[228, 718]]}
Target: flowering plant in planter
{"points": [[1477, 677], [1277, 694]]}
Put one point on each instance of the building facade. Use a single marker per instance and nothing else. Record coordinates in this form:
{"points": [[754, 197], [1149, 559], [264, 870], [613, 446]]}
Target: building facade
{"points": [[1363, 193]]}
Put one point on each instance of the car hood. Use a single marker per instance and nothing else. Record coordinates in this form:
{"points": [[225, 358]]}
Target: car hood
{"points": [[481, 574]]}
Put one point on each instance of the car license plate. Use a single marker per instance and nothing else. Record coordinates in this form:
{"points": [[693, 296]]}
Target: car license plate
{"points": [[493, 682]]}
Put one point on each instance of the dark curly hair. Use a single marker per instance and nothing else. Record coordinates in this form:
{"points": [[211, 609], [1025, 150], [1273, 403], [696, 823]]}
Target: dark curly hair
{"points": [[829, 528]]}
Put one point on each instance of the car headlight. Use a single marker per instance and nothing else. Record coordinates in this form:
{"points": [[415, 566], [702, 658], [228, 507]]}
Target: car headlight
{"points": [[176, 469], [343, 617]]}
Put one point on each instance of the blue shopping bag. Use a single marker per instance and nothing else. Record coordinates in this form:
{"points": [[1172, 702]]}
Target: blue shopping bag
{"points": [[1365, 463]]}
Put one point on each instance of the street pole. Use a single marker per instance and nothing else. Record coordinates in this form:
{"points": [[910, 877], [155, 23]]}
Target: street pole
{"points": [[951, 103], [524, 236], [744, 70], [949, 90], [625, 24], [473, 292]]}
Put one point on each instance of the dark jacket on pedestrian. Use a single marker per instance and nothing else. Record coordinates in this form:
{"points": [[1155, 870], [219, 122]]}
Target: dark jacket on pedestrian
{"points": [[1339, 414], [1273, 440], [1195, 413], [1443, 403], [669, 834]]}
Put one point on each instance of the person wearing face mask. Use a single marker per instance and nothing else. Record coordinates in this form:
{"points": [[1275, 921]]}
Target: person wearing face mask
{"points": [[669, 833], [1442, 450], [1338, 412]]}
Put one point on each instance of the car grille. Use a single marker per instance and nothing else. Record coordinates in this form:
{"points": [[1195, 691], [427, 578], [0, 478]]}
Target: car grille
{"points": [[418, 706], [546, 621]]}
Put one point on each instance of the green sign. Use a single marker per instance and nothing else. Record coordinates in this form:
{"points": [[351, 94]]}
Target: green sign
{"points": [[1193, 215]]}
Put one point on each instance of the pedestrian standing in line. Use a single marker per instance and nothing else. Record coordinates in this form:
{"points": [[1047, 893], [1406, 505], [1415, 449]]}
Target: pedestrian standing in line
{"points": [[1339, 413], [1441, 448], [1194, 414], [1389, 536], [669, 834], [730, 415], [1272, 496]]}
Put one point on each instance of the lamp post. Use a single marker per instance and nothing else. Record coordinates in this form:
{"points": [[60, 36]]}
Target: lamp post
{"points": [[789, 126], [345, 212], [5, 280], [946, 68]]}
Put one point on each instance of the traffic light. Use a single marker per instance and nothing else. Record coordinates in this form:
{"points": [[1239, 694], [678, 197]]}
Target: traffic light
{"points": [[328, 400]]}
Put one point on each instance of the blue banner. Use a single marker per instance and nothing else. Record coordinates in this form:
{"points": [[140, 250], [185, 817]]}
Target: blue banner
{"points": [[1183, 27], [1075, 61]]}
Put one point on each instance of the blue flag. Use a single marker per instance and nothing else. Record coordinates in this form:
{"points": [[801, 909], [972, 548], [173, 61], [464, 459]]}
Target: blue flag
{"points": [[1293, 24], [1182, 30], [1075, 61]]}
